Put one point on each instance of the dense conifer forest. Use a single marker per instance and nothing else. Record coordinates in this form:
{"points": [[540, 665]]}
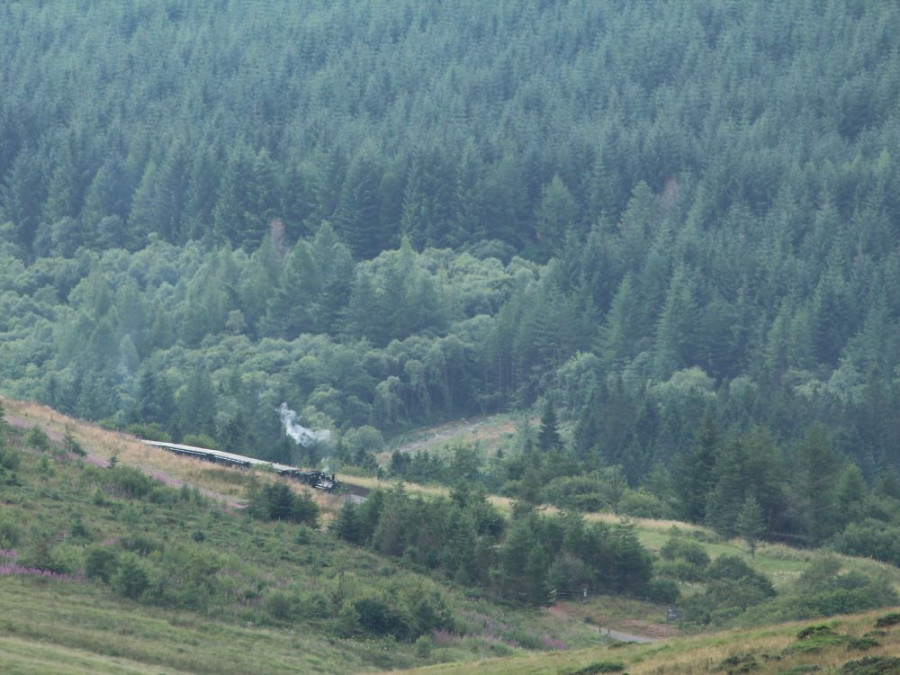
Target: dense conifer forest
{"points": [[669, 230]]}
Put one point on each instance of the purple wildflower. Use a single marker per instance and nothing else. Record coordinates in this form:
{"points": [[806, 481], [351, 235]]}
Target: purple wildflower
{"points": [[552, 643]]}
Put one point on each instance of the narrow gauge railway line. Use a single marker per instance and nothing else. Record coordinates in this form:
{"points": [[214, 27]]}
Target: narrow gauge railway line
{"points": [[317, 479]]}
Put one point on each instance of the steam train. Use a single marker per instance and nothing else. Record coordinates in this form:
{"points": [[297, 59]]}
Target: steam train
{"points": [[315, 479]]}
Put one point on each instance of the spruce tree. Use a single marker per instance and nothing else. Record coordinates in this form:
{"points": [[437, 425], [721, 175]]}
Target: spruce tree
{"points": [[750, 525], [728, 494], [695, 473], [548, 436]]}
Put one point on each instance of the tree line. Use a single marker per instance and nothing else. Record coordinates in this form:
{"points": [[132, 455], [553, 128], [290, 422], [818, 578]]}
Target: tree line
{"points": [[486, 128], [526, 560]]}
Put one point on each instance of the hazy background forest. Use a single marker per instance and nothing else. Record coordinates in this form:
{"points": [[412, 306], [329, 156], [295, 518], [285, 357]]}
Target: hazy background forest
{"points": [[671, 227]]}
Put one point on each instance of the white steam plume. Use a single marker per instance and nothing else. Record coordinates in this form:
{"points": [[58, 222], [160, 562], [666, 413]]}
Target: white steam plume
{"points": [[298, 432]]}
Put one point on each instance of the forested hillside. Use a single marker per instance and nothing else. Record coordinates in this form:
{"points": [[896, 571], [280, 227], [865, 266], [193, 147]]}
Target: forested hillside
{"points": [[671, 226]]}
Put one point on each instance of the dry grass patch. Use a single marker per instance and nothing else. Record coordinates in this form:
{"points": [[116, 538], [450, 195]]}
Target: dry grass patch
{"points": [[666, 527], [369, 483], [218, 482], [767, 650], [487, 434]]}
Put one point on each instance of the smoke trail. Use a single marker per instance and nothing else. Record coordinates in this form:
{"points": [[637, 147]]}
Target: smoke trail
{"points": [[298, 432]]}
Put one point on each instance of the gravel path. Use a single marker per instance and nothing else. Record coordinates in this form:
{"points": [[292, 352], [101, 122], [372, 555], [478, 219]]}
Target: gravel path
{"points": [[625, 637]]}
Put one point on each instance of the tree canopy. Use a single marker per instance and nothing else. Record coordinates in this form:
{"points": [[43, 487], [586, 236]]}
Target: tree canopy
{"points": [[646, 218]]}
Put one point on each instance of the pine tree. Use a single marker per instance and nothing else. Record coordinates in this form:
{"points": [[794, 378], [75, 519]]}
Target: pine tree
{"points": [[358, 213], [588, 426], [620, 330], [814, 476], [614, 484], [549, 439], [64, 189], [556, 215], [346, 525], [675, 330], [428, 200], [729, 492], [202, 190], [198, 403], [695, 473], [22, 195], [109, 194], [750, 525]]}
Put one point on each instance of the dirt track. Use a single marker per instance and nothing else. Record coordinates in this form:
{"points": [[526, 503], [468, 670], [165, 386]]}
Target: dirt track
{"points": [[644, 632]]}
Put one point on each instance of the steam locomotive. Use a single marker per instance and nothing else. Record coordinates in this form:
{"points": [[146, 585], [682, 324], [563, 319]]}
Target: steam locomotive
{"points": [[315, 479]]}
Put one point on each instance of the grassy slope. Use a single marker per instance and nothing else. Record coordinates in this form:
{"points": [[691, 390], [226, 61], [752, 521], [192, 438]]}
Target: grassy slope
{"points": [[769, 649], [65, 625], [80, 629], [56, 626], [69, 625]]}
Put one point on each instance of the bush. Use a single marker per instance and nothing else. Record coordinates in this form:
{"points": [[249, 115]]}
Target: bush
{"points": [[820, 574], [42, 555], [141, 544], [79, 530], [380, 617], [9, 459], [581, 493], [72, 445], [424, 644], [891, 619], [815, 632], [862, 643], [732, 567], [101, 563], [280, 606], [641, 504], [305, 510], [186, 576], [676, 547], [132, 579], [119, 481], [10, 533], [598, 667], [9, 462], [160, 494], [815, 642], [739, 663], [567, 572], [304, 534], [37, 439], [632, 563], [314, 605], [277, 501], [733, 588], [683, 560], [664, 591], [679, 569], [872, 665], [823, 591], [870, 538], [347, 621], [847, 601]]}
